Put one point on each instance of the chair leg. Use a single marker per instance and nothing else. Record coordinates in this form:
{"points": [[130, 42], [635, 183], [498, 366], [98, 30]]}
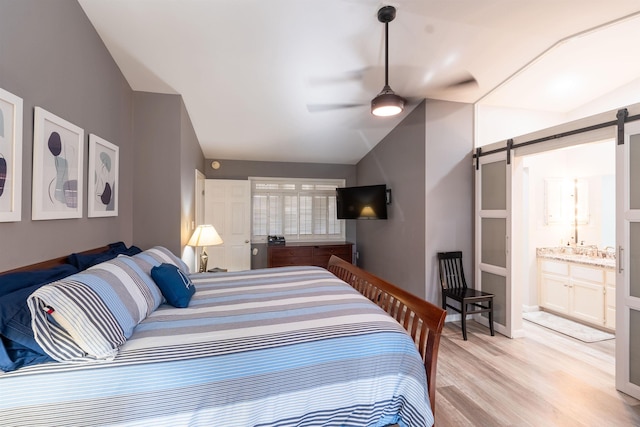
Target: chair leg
{"points": [[464, 319], [491, 317]]}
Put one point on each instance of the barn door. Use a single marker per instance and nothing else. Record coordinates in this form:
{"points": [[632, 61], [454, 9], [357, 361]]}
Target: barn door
{"points": [[628, 261], [493, 243]]}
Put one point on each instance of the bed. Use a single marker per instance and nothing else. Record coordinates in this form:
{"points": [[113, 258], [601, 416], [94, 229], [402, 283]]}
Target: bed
{"points": [[291, 346]]}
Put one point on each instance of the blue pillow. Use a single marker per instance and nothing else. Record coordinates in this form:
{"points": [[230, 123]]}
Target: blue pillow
{"points": [[84, 261], [175, 286], [18, 346], [14, 281]]}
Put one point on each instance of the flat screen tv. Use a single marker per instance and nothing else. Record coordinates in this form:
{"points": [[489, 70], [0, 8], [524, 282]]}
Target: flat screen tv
{"points": [[366, 202]]}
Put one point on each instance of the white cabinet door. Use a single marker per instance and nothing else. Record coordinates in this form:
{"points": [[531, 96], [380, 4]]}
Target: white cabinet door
{"points": [[555, 292], [587, 302]]}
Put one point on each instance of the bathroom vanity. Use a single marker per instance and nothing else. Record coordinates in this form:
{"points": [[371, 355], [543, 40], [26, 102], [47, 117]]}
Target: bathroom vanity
{"points": [[578, 283]]}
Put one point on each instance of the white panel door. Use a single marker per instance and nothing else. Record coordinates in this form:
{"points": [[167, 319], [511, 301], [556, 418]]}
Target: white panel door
{"points": [[228, 209], [628, 260]]}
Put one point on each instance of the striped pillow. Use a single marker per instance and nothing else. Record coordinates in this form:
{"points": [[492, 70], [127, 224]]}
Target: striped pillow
{"points": [[71, 323], [89, 315], [156, 256]]}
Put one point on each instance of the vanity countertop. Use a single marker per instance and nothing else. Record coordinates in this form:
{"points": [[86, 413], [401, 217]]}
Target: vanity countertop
{"points": [[579, 255]]}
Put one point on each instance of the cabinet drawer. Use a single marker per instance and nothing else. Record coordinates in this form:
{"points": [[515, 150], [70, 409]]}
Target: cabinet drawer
{"points": [[587, 273], [284, 252], [332, 250], [286, 256], [318, 254], [555, 267]]}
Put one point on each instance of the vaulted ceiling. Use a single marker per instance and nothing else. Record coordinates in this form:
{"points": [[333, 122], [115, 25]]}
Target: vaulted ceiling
{"points": [[292, 80]]}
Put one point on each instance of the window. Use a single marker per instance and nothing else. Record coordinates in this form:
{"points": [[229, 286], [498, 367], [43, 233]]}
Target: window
{"points": [[298, 209]]}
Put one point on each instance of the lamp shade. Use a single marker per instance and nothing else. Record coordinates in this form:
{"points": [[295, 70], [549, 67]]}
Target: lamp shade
{"points": [[387, 103], [205, 235]]}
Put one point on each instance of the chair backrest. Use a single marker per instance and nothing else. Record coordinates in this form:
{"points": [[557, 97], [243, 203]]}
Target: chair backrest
{"points": [[450, 269]]}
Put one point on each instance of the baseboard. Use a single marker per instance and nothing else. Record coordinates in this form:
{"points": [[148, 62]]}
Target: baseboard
{"points": [[453, 317], [530, 308]]}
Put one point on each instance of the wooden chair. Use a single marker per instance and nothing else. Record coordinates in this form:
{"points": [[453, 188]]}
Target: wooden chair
{"points": [[454, 287]]}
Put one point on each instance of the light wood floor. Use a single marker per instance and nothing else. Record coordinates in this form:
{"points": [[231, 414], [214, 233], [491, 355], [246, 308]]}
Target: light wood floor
{"points": [[544, 379]]}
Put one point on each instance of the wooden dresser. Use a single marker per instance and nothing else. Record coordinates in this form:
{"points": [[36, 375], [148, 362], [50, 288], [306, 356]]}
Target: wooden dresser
{"points": [[308, 253]]}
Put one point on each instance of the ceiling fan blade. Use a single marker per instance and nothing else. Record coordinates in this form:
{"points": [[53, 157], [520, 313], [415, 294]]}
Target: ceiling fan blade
{"points": [[465, 80], [346, 77], [318, 108]]}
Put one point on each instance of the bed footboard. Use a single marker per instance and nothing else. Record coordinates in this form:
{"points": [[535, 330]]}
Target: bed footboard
{"points": [[422, 320]]}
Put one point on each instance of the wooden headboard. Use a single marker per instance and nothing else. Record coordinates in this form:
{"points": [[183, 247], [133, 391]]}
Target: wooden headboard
{"points": [[422, 320], [53, 262]]}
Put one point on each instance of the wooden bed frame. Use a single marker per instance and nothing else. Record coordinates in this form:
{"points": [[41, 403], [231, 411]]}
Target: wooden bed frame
{"points": [[422, 320]]}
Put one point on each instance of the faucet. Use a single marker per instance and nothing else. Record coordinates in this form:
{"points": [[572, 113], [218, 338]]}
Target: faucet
{"points": [[608, 251]]}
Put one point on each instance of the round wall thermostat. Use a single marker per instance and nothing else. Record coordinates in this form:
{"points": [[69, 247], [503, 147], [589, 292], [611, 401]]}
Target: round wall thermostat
{"points": [[215, 164]]}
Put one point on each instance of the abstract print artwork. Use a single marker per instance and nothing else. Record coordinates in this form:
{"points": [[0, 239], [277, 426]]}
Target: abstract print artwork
{"points": [[58, 150], [103, 187], [10, 157]]}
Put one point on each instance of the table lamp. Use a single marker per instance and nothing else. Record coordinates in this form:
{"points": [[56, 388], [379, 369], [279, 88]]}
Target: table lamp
{"points": [[203, 236]]}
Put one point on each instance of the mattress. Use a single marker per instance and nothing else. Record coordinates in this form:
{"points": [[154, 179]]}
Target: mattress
{"points": [[292, 346]]}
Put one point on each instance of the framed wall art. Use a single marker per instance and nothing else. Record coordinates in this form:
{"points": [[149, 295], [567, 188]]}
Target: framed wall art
{"points": [[58, 150], [102, 193], [10, 157]]}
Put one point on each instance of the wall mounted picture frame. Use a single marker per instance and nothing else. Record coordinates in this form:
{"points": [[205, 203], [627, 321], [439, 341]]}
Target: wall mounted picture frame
{"points": [[11, 115], [58, 167], [103, 186]]}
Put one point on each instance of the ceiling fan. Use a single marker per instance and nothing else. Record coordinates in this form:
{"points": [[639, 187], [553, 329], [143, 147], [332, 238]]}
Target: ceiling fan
{"points": [[387, 102]]}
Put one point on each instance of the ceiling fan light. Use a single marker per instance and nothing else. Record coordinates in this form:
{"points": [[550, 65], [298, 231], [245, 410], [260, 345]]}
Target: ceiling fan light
{"points": [[387, 103]]}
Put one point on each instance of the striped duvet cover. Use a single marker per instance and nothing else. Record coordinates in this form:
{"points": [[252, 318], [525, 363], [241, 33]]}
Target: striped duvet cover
{"points": [[288, 346]]}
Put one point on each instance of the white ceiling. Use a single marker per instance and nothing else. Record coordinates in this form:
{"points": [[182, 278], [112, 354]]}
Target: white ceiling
{"points": [[252, 73]]}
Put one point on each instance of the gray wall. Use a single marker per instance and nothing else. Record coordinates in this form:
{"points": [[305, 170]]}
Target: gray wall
{"points": [[426, 161], [191, 158], [157, 170], [240, 169], [394, 248], [449, 217], [51, 57], [166, 156]]}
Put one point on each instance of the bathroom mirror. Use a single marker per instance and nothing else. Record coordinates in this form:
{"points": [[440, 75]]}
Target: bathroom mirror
{"points": [[566, 201]]}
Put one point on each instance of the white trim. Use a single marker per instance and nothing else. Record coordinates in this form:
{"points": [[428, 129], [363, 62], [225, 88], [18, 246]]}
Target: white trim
{"points": [[44, 121], [297, 191], [95, 208], [14, 163]]}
